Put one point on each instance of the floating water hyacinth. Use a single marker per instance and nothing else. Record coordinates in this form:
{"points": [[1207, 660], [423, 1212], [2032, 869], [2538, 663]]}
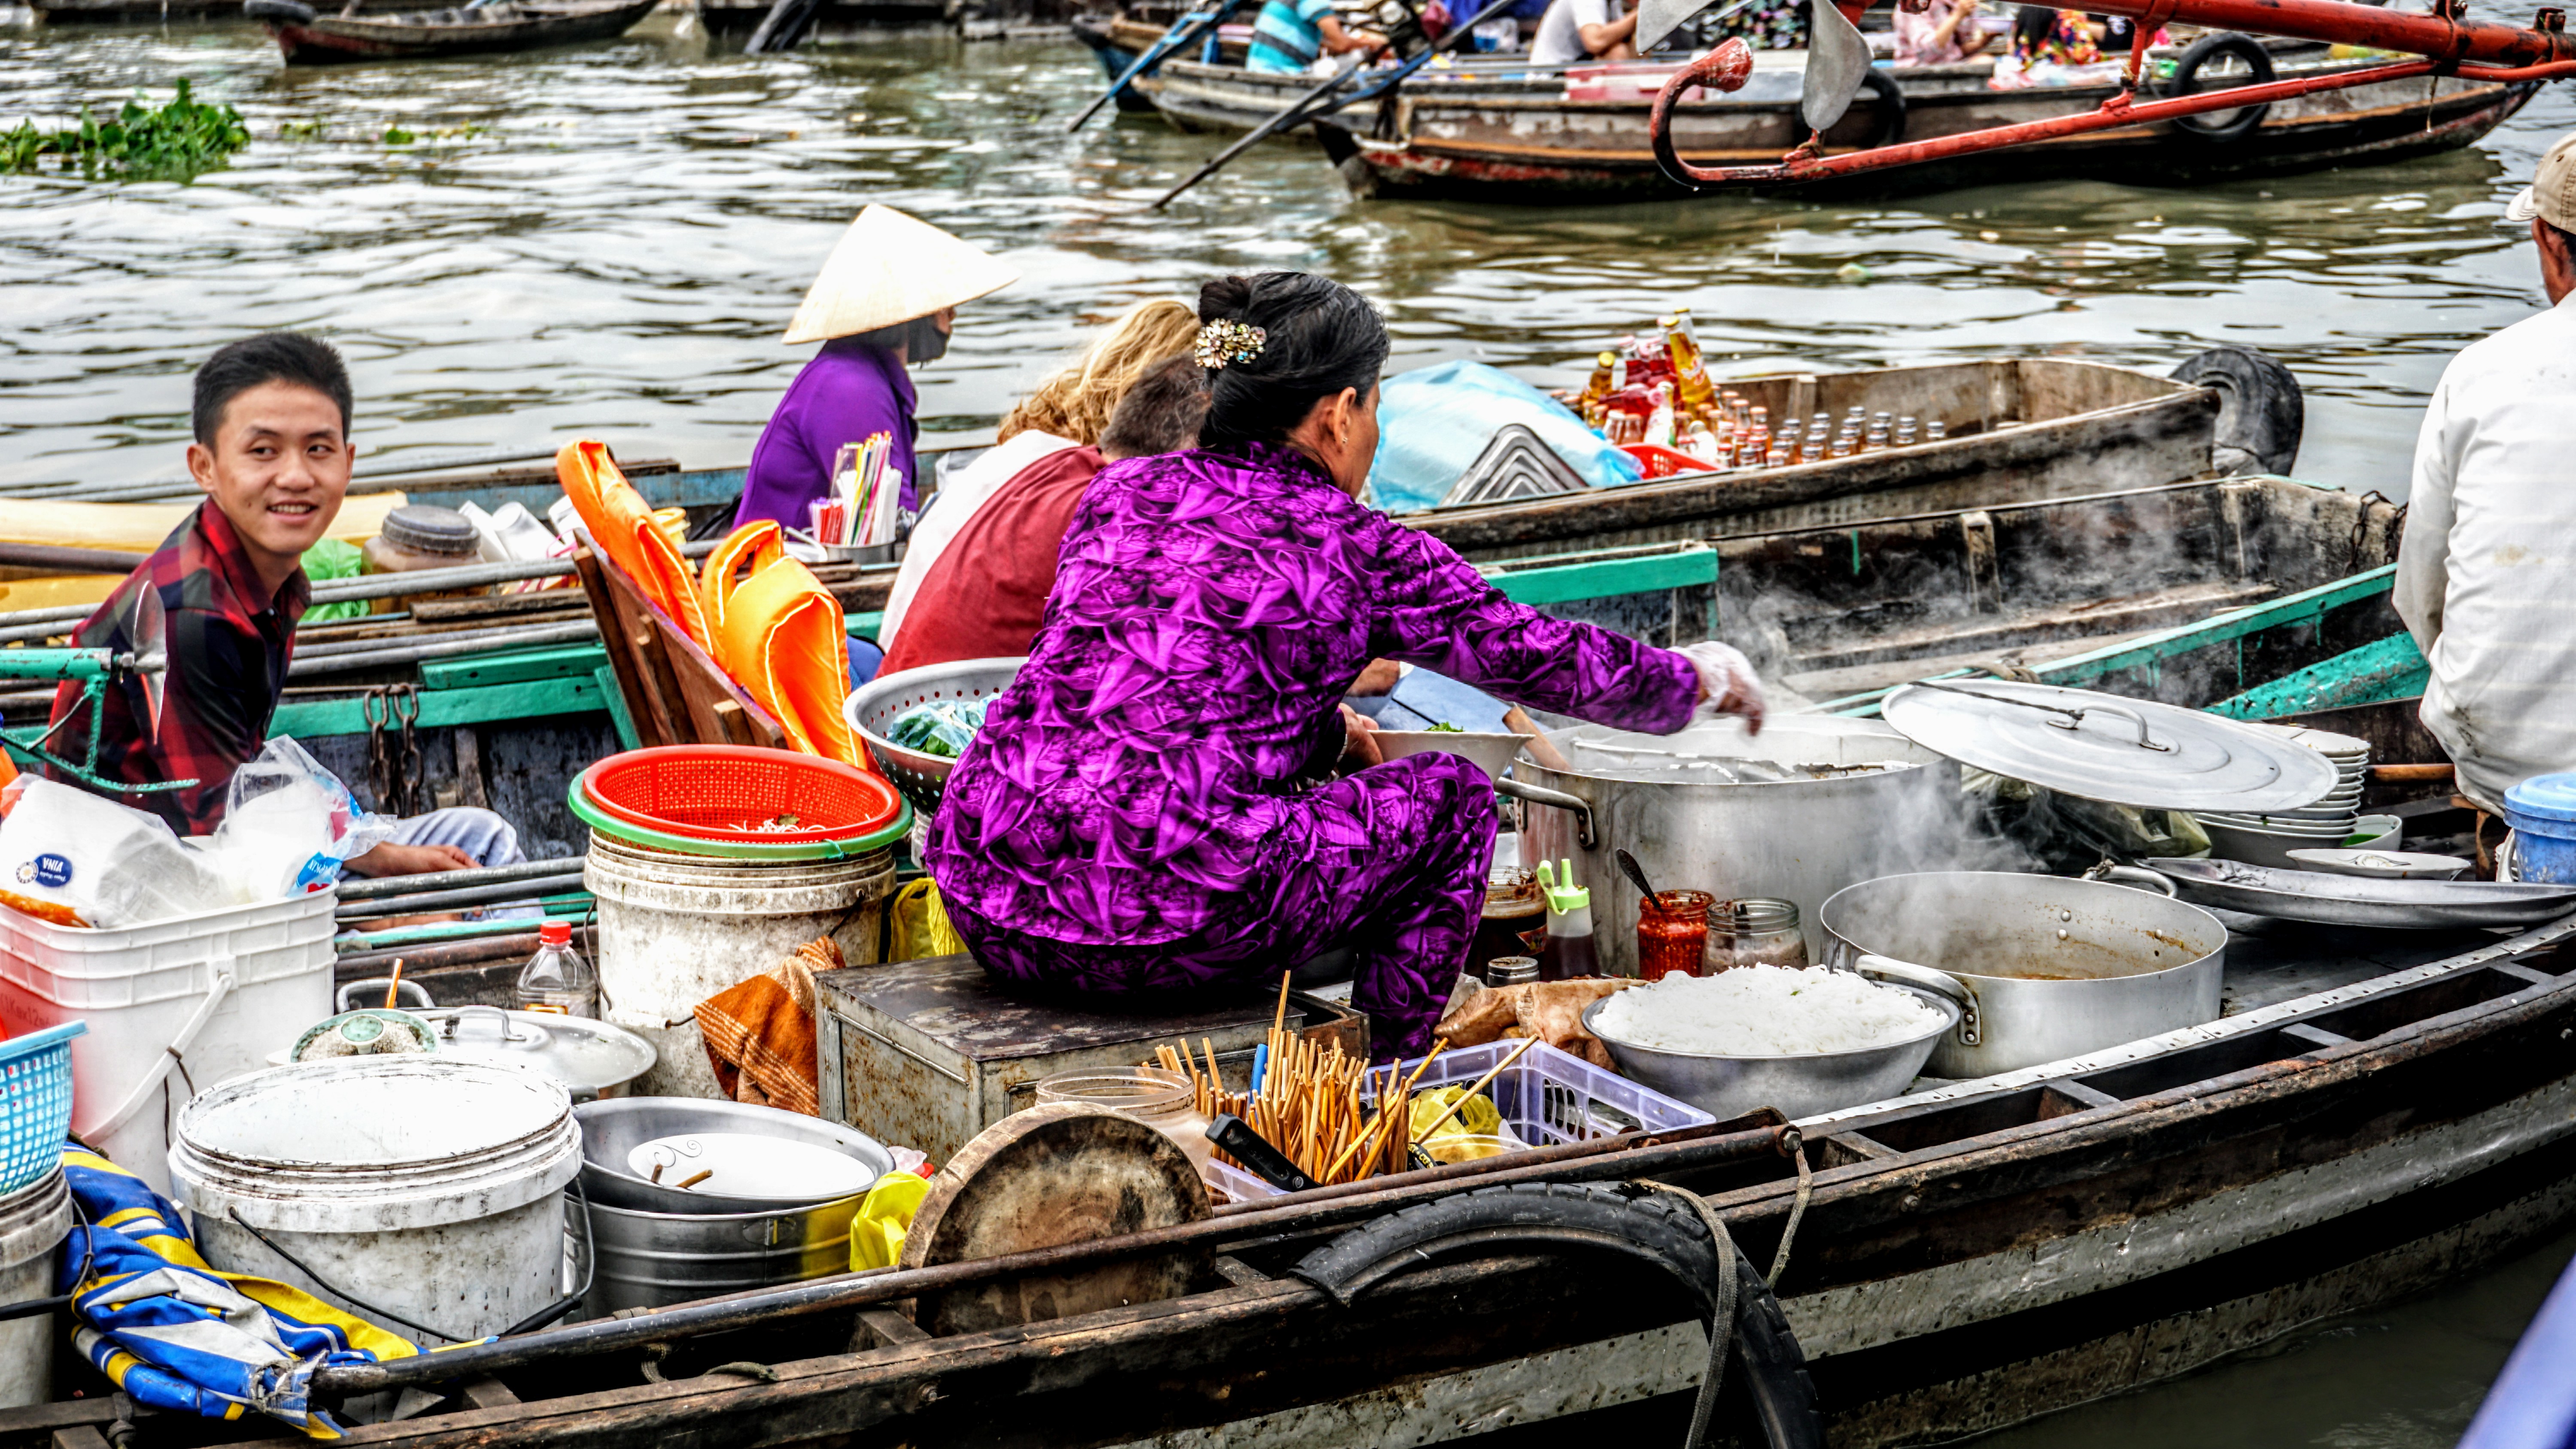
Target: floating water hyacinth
{"points": [[177, 142]]}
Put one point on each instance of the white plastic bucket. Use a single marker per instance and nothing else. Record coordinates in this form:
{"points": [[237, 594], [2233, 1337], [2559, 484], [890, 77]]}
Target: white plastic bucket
{"points": [[222, 989], [428, 1186], [676, 929], [34, 1220]]}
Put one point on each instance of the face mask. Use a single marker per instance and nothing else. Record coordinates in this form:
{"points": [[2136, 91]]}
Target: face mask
{"points": [[927, 344]]}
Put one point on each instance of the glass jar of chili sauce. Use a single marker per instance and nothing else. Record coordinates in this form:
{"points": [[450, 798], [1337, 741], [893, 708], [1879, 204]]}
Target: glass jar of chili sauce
{"points": [[1672, 933]]}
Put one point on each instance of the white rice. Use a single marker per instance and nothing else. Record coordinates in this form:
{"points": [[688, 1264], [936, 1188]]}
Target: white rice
{"points": [[1765, 1011]]}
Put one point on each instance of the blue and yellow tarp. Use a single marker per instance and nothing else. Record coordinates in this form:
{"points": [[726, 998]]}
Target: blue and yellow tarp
{"points": [[181, 1336]]}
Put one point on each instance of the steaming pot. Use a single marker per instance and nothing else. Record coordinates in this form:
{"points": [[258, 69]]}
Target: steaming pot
{"points": [[2043, 968], [1665, 800]]}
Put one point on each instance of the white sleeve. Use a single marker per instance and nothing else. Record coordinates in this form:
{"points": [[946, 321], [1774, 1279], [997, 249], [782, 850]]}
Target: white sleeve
{"points": [[2424, 554], [1593, 12]]}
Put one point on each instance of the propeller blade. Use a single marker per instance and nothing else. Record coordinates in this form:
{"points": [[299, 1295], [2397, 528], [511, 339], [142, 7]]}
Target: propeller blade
{"points": [[1837, 63], [142, 622]]}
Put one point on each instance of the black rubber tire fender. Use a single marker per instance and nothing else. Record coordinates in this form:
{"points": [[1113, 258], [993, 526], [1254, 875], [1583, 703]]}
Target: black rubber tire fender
{"points": [[2185, 81], [1771, 1396], [2261, 412], [1887, 104]]}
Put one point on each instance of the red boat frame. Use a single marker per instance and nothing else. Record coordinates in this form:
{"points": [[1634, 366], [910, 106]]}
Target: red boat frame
{"points": [[2450, 45]]}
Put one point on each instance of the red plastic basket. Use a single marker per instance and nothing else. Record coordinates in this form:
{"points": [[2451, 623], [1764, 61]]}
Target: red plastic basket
{"points": [[734, 792]]}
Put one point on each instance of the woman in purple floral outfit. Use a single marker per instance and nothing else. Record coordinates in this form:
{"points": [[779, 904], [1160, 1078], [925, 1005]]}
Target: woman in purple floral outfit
{"points": [[1151, 806]]}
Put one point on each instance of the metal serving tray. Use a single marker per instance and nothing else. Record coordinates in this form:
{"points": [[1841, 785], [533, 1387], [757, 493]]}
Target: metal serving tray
{"points": [[2346, 900]]}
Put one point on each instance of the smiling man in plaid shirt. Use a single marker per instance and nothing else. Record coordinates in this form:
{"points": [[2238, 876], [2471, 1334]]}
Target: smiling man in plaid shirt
{"points": [[272, 453]]}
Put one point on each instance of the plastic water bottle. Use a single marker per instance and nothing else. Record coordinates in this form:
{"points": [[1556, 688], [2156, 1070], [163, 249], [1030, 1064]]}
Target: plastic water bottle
{"points": [[556, 979]]}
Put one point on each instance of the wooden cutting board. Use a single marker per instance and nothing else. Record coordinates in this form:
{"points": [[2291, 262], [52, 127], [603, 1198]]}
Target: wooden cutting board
{"points": [[1068, 1173]]}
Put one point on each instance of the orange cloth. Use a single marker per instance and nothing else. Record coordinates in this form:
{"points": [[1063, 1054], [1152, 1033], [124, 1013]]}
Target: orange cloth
{"points": [[621, 524], [782, 638], [759, 1033]]}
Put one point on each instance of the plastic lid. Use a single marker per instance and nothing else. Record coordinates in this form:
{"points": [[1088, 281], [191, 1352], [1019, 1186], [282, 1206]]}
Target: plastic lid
{"points": [[2543, 797], [421, 528], [555, 933], [1567, 897]]}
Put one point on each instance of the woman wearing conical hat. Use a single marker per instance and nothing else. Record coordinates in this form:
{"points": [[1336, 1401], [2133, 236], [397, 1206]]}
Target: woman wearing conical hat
{"points": [[884, 301]]}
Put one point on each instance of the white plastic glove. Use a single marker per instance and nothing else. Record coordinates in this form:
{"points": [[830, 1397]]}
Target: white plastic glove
{"points": [[1728, 684]]}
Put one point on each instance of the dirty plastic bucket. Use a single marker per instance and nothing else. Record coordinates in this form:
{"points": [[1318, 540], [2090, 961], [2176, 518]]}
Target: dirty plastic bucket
{"points": [[676, 929], [34, 1220], [427, 1186], [2542, 812]]}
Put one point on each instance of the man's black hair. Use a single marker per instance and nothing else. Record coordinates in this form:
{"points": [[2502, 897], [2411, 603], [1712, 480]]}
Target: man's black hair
{"points": [[237, 367], [1160, 414]]}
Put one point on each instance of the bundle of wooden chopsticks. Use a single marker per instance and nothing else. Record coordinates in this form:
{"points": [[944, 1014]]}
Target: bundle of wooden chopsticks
{"points": [[1310, 1105]]}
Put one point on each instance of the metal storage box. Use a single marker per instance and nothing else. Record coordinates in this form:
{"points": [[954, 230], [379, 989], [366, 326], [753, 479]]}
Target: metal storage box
{"points": [[928, 1053]]}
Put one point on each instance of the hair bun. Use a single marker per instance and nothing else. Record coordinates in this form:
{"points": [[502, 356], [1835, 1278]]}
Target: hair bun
{"points": [[1225, 298]]}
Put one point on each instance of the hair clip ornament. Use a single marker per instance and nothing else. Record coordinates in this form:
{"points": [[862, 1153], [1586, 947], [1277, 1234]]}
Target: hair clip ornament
{"points": [[1226, 340]]}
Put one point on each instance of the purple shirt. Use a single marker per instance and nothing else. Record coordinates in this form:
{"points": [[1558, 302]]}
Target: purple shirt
{"points": [[1142, 779], [849, 391]]}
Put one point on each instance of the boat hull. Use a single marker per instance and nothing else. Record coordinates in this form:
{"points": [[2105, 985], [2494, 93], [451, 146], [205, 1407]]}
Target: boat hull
{"points": [[1530, 150], [336, 40]]}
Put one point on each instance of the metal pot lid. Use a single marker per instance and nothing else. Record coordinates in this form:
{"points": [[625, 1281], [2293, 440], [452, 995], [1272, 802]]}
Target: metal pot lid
{"points": [[2101, 747], [583, 1054]]}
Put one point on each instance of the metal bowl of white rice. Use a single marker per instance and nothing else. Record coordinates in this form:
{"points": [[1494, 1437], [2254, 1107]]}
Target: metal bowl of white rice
{"points": [[1806, 1041]]}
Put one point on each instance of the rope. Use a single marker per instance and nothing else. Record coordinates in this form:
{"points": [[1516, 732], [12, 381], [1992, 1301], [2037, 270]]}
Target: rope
{"points": [[1796, 1146], [1721, 1316]]}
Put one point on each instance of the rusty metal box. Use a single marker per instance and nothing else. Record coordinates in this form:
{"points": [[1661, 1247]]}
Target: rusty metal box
{"points": [[928, 1053]]}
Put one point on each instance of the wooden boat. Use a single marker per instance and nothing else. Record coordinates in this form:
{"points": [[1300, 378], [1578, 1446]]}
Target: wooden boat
{"points": [[308, 37], [1525, 148], [1118, 40], [161, 12]]}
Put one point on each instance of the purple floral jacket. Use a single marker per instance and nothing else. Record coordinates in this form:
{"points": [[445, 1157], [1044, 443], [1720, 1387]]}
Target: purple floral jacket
{"points": [[1141, 781]]}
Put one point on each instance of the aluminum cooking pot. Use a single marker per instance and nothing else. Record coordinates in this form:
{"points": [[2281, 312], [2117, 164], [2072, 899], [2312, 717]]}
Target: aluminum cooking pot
{"points": [[2042, 967], [1695, 821]]}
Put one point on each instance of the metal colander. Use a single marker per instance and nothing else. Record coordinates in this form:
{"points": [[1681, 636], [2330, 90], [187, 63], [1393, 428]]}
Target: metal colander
{"points": [[875, 706]]}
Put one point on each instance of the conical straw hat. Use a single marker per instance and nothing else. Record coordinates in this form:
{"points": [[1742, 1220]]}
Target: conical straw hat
{"points": [[891, 268]]}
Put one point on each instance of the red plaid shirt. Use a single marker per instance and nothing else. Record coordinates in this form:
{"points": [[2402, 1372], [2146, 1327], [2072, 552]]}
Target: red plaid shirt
{"points": [[228, 645]]}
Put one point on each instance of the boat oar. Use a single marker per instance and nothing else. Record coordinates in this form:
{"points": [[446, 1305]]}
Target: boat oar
{"points": [[1185, 32], [1307, 106]]}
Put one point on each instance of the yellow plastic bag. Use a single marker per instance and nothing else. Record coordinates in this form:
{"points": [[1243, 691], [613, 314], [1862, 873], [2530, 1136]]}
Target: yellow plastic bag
{"points": [[885, 1215], [921, 926], [1479, 1118]]}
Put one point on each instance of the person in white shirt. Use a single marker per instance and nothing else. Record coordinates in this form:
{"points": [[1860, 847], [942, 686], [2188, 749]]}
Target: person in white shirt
{"points": [[1575, 30], [2486, 577]]}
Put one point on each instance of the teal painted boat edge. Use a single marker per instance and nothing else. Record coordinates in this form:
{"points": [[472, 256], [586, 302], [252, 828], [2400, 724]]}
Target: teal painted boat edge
{"points": [[2376, 673], [2235, 624]]}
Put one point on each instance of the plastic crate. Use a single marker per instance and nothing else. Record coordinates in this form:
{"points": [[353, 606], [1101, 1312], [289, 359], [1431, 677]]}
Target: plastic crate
{"points": [[1547, 1097], [236, 983], [35, 1103]]}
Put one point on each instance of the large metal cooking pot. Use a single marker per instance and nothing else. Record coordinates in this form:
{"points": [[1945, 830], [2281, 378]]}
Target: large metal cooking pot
{"points": [[1666, 800], [2043, 967]]}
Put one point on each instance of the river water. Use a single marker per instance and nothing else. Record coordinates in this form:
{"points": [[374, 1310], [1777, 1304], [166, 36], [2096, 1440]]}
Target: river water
{"points": [[608, 241]]}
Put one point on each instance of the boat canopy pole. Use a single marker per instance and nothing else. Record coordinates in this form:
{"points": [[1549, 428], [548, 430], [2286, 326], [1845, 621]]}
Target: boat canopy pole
{"points": [[2450, 44]]}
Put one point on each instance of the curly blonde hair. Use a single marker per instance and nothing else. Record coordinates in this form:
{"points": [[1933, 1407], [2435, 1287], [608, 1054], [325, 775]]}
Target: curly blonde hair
{"points": [[1075, 400]]}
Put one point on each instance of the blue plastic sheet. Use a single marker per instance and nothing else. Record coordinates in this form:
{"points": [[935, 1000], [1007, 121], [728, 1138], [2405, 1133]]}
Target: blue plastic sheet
{"points": [[1433, 421]]}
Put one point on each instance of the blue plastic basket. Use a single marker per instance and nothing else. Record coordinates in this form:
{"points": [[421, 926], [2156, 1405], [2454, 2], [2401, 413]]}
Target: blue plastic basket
{"points": [[35, 1103]]}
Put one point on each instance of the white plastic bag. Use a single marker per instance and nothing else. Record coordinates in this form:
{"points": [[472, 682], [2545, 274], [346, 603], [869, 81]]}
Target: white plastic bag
{"points": [[289, 825], [105, 864]]}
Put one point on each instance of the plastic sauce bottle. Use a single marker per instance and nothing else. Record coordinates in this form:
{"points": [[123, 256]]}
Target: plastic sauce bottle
{"points": [[556, 979], [1567, 952]]}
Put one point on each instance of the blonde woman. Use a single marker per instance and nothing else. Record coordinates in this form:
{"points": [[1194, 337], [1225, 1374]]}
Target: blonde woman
{"points": [[1056, 429], [1075, 400]]}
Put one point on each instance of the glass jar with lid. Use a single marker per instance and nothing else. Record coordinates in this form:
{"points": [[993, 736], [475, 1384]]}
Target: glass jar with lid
{"points": [[1156, 1096], [417, 537], [1753, 932]]}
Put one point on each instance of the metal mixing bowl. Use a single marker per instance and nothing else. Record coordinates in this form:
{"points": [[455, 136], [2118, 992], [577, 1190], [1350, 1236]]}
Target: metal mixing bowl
{"points": [[613, 1128], [875, 705], [1800, 1086]]}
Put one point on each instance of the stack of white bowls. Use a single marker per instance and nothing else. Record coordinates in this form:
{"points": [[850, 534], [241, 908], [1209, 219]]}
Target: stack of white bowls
{"points": [[2268, 839]]}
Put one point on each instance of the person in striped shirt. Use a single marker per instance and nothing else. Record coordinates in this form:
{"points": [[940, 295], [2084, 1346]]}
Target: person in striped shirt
{"points": [[1291, 34]]}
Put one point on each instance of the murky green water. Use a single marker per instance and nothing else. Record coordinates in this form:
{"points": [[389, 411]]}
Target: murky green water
{"points": [[609, 241], [618, 241]]}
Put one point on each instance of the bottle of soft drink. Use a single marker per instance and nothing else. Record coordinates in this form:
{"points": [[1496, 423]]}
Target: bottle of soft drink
{"points": [[1690, 377], [1605, 381], [556, 979], [1659, 423]]}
